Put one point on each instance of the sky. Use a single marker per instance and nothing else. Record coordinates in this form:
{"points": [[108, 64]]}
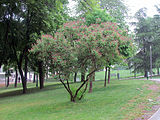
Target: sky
{"points": [[135, 5]]}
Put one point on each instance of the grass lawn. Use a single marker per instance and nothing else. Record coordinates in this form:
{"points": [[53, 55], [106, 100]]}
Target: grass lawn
{"points": [[118, 101]]}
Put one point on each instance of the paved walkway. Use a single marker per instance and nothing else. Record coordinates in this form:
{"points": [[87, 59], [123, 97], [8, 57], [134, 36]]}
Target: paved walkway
{"points": [[156, 115]]}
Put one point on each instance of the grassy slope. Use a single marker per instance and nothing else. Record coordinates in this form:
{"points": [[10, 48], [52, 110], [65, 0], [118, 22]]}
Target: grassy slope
{"points": [[52, 103]]}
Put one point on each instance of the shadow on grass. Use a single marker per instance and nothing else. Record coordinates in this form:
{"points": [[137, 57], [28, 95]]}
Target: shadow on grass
{"points": [[30, 90]]}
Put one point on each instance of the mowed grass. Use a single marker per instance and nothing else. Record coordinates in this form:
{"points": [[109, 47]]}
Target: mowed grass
{"points": [[117, 101]]}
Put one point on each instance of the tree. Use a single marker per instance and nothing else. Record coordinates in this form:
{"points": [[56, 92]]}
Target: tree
{"points": [[76, 44], [21, 20], [143, 38], [147, 31], [116, 8]]}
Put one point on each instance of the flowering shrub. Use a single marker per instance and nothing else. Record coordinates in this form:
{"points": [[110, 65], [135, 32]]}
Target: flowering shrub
{"points": [[76, 44]]}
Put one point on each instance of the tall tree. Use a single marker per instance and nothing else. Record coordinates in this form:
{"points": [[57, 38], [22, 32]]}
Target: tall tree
{"points": [[21, 20], [143, 38], [116, 8]]}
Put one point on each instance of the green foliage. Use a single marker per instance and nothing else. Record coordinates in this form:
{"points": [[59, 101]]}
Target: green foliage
{"points": [[97, 16], [117, 9], [76, 42], [85, 6]]}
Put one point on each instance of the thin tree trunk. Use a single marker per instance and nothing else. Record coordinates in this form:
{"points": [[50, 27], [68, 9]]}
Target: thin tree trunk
{"points": [[157, 70], [93, 76], [41, 75], [105, 77], [7, 79], [24, 85], [34, 78], [26, 68], [75, 77], [82, 75], [109, 74], [91, 80], [90, 86], [145, 74], [16, 78]]}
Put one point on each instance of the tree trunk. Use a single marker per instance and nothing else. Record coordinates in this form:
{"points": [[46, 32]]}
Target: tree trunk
{"points": [[145, 74], [157, 70], [41, 75], [93, 76], [75, 77], [16, 78], [34, 78], [82, 75], [24, 82], [91, 80], [105, 77], [26, 68], [24, 85], [73, 99], [90, 86], [7, 80], [109, 74]]}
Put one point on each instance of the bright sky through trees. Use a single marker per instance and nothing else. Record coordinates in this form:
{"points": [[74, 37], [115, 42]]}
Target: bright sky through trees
{"points": [[135, 5]]}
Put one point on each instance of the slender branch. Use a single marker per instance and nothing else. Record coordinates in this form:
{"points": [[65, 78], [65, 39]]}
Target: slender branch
{"points": [[69, 88], [84, 91], [84, 82], [64, 85]]}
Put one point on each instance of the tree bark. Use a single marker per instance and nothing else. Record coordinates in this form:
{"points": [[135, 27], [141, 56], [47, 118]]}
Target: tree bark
{"points": [[90, 86], [19, 64], [24, 83], [91, 80], [16, 78], [157, 70], [41, 75], [145, 74], [109, 74], [93, 76], [82, 75], [26, 67], [34, 78], [7, 80], [105, 81], [75, 77]]}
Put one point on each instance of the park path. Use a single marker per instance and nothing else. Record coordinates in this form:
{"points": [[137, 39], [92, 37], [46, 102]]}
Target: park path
{"points": [[156, 115]]}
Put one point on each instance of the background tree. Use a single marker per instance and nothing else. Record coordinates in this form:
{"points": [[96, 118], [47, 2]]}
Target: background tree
{"points": [[147, 35], [117, 9]]}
